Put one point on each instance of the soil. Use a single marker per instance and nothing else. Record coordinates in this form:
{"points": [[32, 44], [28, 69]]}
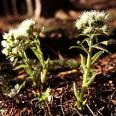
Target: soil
{"points": [[101, 94]]}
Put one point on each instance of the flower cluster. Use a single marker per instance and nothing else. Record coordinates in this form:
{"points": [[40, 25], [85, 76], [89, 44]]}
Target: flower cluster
{"points": [[93, 22], [26, 27], [17, 39]]}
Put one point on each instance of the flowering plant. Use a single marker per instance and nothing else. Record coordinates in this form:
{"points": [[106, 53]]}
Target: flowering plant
{"points": [[15, 44], [91, 24]]}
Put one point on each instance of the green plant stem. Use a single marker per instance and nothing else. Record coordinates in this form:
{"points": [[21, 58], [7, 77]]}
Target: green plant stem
{"points": [[38, 52], [43, 75], [86, 75], [28, 69], [40, 57], [88, 65]]}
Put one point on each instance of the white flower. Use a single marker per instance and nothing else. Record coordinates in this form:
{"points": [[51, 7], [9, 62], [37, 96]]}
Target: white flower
{"points": [[16, 42], [85, 16], [26, 24], [11, 32], [6, 35], [24, 28], [5, 51], [92, 21], [79, 24], [16, 33], [107, 17], [4, 43], [14, 50], [11, 43], [104, 29], [22, 32], [102, 16], [17, 39]]}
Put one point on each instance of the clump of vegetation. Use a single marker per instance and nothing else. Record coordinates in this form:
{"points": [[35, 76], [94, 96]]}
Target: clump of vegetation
{"points": [[41, 98], [91, 24], [17, 41], [15, 44]]}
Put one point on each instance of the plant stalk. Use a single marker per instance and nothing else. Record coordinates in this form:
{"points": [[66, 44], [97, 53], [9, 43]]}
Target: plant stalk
{"points": [[86, 73], [29, 69], [40, 57], [43, 75]]}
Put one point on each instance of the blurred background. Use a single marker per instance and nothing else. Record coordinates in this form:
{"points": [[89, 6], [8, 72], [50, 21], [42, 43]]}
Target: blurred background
{"points": [[56, 16], [14, 11]]}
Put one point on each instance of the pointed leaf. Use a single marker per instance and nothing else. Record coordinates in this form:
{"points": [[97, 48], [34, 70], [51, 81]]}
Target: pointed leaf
{"points": [[13, 91], [86, 40], [96, 56], [76, 92], [81, 35], [20, 66], [15, 61], [45, 95], [84, 102], [83, 61], [37, 39], [79, 47], [16, 87], [99, 47], [91, 80], [104, 42]]}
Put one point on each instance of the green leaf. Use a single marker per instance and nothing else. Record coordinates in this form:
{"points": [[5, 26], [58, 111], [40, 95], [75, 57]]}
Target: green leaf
{"points": [[47, 62], [83, 61], [45, 95], [20, 66], [104, 42], [90, 80], [79, 47], [96, 56], [86, 40], [15, 61], [37, 39], [99, 47], [17, 86], [71, 63], [43, 75], [39, 55], [16, 89], [82, 35], [84, 102], [76, 92]]}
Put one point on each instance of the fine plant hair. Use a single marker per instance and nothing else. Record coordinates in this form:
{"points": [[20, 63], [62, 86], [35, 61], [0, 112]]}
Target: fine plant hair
{"points": [[15, 44], [91, 24]]}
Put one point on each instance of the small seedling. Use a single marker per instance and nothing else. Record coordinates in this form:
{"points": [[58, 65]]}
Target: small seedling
{"points": [[91, 24], [41, 98], [16, 89]]}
